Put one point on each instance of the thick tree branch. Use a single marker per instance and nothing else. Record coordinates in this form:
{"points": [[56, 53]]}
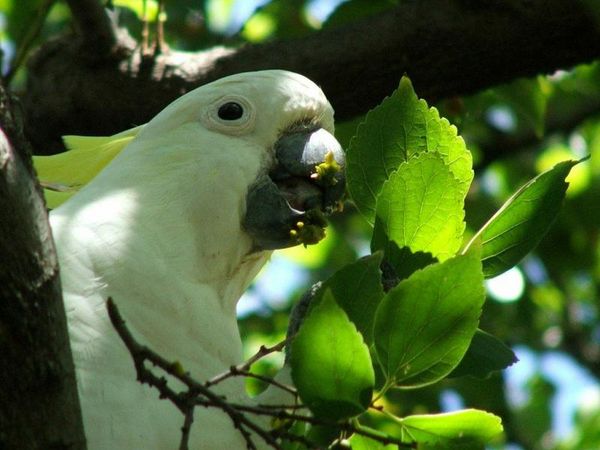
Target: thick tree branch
{"points": [[94, 26], [448, 49]]}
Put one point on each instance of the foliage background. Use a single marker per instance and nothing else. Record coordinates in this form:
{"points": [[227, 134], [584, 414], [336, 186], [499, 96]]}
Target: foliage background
{"points": [[546, 309]]}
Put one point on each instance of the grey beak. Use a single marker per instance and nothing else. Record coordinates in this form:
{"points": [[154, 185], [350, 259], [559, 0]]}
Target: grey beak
{"points": [[286, 207]]}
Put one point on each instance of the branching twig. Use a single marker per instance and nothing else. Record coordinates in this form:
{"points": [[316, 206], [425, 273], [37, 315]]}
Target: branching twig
{"points": [[141, 353], [244, 369], [245, 366], [200, 394]]}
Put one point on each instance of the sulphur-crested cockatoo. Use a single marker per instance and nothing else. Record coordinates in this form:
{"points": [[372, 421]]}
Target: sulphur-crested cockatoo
{"points": [[183, 213]]}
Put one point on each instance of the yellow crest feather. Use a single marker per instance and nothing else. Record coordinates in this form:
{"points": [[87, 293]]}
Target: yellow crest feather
{"points": [[62, 175]]}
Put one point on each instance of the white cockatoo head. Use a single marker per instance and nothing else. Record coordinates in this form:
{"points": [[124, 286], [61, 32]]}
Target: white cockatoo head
{"points": [[259, 135], [285, 124]]}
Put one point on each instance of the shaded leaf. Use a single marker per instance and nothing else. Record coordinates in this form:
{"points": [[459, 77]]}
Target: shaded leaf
{"points": [[424, 325], [331, 365], [323, 435], [357, 289], [521, 223], [421, 207], [485, 355], [399, 128], [400, 263]]}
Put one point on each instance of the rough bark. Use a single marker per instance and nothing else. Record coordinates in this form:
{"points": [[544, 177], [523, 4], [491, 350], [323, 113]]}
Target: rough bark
{"points": [[39, 408], [447, 48]]}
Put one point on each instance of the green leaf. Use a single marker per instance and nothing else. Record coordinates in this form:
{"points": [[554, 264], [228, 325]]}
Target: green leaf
{"points": [[521, 223], [357, 289], [421, 207], [322, 435], [400, 263], [359, 442], [459, 429], [485, 355], [331, 365], [401, 127], [424, 325]]}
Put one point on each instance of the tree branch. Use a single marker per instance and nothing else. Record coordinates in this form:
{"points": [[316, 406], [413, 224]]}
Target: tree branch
{"points": [[448, 49], [94, 26]]}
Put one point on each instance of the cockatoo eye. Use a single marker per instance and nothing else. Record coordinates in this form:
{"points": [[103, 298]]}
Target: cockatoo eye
{"points": [[231, 111], [232, 114]]}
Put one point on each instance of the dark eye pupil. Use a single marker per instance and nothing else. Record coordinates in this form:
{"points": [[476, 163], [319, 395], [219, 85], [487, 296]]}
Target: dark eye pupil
{"points": [[231, 111]]}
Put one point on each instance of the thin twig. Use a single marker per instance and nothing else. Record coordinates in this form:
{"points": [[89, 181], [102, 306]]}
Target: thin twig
{"points": [[142, 353], [145, 28], [160, 33], [245, 366], [244, 369], [186, 428]]}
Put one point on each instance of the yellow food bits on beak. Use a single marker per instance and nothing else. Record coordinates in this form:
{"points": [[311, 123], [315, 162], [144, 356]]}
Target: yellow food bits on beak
{"points": [[327, 170], [310, 231]]}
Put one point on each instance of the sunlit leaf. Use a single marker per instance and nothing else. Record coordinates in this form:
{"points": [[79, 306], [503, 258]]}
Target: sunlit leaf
{"points": [[485, 355], [424, 325], [421, 207], [579, 177], [401, 127], [466, 429], [331, 365], [360, 442], [521, 223]]}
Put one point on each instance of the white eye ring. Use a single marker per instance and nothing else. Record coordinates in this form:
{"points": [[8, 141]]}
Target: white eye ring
{"points": [[231, 114]]}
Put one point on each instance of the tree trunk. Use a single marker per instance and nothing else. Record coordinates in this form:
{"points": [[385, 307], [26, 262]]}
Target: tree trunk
{"points": [[39, 407]]}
